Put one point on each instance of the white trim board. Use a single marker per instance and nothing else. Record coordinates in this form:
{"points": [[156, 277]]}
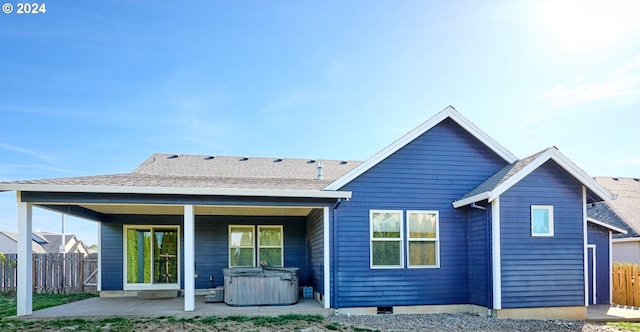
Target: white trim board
{"points": [[551, 153], [626, 239], [448, 112], [175, 190], [607, 226], [593, 274]]}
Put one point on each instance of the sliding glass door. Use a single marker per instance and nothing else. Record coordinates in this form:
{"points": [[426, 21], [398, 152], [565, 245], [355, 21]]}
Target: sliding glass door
{"points": [[152, 256]]}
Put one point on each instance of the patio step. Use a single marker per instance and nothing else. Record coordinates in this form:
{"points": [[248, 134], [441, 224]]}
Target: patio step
{"points": [[157, 294]]}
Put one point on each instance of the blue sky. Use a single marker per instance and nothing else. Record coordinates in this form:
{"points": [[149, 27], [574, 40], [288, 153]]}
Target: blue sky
{"points": [[94, 87]]}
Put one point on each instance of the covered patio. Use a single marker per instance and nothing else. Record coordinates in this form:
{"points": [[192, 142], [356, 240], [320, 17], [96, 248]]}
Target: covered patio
{"points": [[203, 225], [176, 221]]}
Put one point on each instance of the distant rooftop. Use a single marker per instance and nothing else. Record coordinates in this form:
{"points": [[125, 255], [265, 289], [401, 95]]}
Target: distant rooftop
{"points": [[627, 204]]}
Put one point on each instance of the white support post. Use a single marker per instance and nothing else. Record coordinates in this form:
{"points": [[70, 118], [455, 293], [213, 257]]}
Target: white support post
{"points": [[497, 265], [189, 259], [99, 285], [584, 246], [25, 278], [327, 259]]}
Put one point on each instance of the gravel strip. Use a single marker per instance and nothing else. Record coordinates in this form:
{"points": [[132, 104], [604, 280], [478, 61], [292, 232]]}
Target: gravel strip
{"points": [[463, 322]]}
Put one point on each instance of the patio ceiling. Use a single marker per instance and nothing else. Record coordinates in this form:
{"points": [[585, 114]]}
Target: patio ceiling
{"points": [[108, 209]]}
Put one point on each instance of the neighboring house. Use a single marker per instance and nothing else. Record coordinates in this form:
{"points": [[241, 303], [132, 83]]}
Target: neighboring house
{"points": [[43, 243], [442, 220], [623, 211]]}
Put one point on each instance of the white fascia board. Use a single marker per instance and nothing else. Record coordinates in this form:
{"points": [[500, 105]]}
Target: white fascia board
{"points": [[627, 239], [499, 190], [448, 112], [482, 136], [473, 199], [562, 161], [605, 225], [176, 191], [580, 175]]}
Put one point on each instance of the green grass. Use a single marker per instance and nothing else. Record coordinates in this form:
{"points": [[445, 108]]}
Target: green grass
{"points": [[625, 326], [196, 323], [40, 301]]}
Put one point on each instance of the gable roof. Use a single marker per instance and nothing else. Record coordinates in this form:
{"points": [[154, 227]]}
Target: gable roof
{"points": [[448, 112], [508, 176], [207, 175], [627, 205]]}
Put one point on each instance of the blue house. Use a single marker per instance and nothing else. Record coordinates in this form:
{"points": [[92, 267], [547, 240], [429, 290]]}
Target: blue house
{"points": [[442, 220]]}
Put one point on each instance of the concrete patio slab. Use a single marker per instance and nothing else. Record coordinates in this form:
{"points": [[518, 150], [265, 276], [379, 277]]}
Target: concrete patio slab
{"points": [[104, 307], [612, 313]]}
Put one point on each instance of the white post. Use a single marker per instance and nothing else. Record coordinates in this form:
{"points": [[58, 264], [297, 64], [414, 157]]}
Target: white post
{"points": [[584, 246], [497, 264], [99, 286], [327, 259], [25, 278], [189, 259]]}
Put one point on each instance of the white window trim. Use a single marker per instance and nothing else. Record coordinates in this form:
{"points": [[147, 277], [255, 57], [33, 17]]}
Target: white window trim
{"points": [[549, 208], [253, 245], [400, 240], [148, 286], [436, 239], [281, 246]]}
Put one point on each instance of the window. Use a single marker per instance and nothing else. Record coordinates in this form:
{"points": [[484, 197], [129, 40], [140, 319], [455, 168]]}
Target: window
{"points": [[270, 245], [386, 239], [151, 256], [541, 220], [241, 246], [422, 240], [243, 242]]}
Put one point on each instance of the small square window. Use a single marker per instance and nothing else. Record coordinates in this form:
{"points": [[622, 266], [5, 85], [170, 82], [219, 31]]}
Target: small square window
{"points": [[541, 220]]}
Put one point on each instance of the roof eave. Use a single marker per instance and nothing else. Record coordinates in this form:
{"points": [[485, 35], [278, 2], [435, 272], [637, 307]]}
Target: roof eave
{"points": [[177, 191], [581, 176], [473, 199], [605, 225], [550, 154], [448, 112]]}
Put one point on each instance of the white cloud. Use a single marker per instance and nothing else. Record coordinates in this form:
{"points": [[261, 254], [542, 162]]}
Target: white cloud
{"points": [[631, 64], [552, 92], [622, 86]]}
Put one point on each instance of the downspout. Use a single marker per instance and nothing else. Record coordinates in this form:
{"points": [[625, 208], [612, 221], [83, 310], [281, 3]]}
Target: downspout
{"points": [[334, 255]]}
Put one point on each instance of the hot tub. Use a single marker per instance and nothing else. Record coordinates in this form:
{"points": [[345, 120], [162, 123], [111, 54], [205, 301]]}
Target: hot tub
{"points": [[245, 286]]}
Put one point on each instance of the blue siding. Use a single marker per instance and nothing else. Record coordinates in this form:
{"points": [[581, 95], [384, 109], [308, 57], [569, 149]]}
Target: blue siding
{"points": [[542, 271], [211, 242], [479, 252], [315, 250], [427, 174], [600, 237]]}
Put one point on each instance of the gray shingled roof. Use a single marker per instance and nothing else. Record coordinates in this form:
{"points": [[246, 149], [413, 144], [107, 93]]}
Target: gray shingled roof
{"points": [[627, 205], [601, 211], [502, 175], [201, 171]]}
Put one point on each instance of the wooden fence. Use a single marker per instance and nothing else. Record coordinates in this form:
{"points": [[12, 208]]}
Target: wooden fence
{"points": [[626, 285], [54, 273]]}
